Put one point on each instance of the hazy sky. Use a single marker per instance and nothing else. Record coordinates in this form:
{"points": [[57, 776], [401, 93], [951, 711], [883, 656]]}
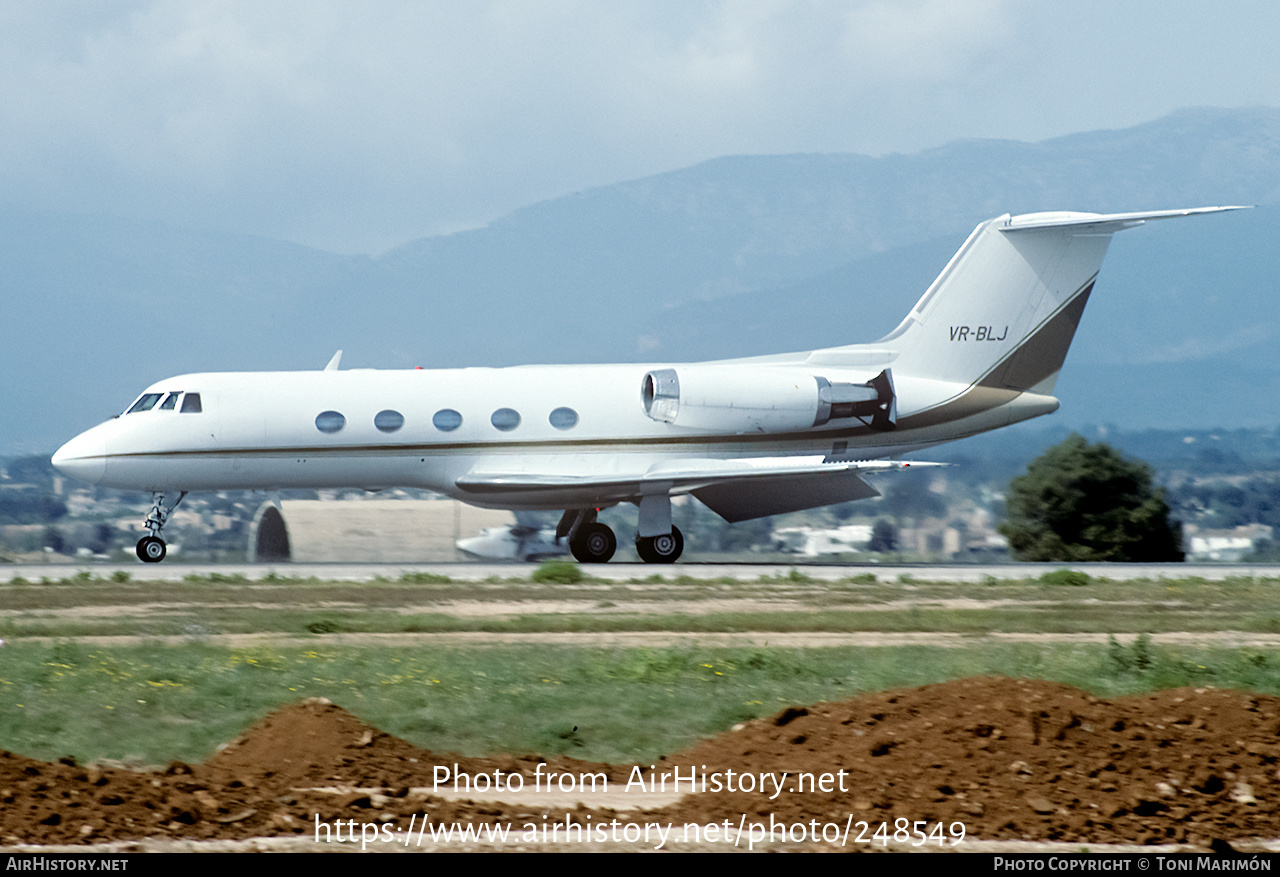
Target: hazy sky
{"points": [[355, 126]]}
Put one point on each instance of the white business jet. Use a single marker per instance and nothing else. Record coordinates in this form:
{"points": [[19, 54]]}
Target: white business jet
{"points": [[747, 437]]}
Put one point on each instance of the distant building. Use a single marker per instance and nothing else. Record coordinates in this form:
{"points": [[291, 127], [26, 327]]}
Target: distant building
{"points": [[814, 541], [366, 531], [1225, 545]]}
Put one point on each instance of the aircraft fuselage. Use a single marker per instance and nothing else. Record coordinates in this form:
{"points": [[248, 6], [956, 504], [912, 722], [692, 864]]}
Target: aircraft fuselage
{"points": [[374, 429]]}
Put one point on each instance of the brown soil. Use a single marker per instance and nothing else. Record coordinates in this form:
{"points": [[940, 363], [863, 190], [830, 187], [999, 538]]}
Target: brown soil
{"points": [[1008, 758]]}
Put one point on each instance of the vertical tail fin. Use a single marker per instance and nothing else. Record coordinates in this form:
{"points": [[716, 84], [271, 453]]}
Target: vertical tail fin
{"points": [[1005, 309]]}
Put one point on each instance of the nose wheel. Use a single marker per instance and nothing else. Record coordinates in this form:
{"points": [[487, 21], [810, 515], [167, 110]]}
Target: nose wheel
{"points": [[665, 548], [151, 548]]}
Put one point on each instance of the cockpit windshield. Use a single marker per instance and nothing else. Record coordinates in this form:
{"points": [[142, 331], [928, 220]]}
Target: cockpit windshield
{"points": [[147, 401]]}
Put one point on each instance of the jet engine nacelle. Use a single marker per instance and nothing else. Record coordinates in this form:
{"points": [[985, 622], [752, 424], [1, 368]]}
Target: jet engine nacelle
{"points": [[762, 399]]}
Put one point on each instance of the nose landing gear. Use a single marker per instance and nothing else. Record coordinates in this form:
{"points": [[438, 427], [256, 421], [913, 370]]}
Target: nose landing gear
{"points": [[151, 548]]}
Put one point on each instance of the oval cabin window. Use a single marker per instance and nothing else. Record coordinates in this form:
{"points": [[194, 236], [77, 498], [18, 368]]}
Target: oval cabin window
{"points": [[564, 418], [505, 419], [447, 420], [388, 421], [330, 421]]}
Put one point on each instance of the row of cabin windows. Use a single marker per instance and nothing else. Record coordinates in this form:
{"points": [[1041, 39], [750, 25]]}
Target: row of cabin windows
{"points": [[445, 420], [148, 401]]}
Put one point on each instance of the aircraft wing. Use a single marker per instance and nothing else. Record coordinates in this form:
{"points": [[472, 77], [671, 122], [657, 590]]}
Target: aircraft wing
{"points": [[737, 490]]}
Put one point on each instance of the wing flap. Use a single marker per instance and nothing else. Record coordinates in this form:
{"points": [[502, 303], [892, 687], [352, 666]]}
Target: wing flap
{"points": [[737, 490], [687, 474], [746, 500]]}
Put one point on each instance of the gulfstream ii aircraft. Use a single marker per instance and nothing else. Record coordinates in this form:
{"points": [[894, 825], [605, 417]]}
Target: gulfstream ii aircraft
{"points": [[981, 349]]}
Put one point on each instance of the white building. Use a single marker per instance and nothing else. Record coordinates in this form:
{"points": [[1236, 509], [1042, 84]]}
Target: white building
{"points": [[1227, 545], [813, 542], [366, 531]]}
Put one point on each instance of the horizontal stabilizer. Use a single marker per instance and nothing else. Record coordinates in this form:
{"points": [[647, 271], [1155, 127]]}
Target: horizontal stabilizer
{"points": [[1102, 223]]}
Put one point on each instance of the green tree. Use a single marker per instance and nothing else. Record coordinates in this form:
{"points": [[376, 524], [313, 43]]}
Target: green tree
{"points": [[884, 536], [1081, 502]]}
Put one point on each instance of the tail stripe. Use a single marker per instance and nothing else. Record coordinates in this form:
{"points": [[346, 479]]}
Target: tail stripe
{"points": [[1041, 354]]}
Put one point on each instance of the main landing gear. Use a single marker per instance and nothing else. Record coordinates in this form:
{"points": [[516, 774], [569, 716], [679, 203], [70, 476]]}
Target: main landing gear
{"points": [[593, 542], [151, 548], [661, 549], [589, 540]]}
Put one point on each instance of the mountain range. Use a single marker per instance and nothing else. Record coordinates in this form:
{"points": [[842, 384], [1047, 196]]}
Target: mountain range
{"points": [[735, 256]]}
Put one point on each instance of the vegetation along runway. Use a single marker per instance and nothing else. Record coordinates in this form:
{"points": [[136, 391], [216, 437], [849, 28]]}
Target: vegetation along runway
{"points": [[1020, 700]]}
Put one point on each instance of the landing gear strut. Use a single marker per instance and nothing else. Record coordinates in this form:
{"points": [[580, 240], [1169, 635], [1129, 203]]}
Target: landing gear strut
{"points": [[151, 548], [658, 540]]}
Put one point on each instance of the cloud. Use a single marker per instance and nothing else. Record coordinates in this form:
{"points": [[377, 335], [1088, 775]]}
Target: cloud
{"points": [[1196, 349], [358, 125]]}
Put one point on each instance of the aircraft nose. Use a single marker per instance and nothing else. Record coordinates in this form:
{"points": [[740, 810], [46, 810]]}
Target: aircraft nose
{"points": [[83, 458]]}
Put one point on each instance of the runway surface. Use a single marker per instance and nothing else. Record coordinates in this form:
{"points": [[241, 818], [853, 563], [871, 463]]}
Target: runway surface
{"points": [[363, 572]]}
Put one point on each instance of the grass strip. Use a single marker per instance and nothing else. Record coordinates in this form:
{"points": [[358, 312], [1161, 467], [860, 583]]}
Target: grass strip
{"points": [[149, 704]]}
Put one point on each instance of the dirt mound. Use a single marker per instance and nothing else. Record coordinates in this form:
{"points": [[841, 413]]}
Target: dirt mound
{"points": [[316, 743], [1015, 758], [313, 743], [262, 784], [1008, 758]]}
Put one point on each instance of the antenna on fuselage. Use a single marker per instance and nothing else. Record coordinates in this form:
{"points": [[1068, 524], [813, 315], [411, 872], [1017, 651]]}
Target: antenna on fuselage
{"points": [[333, 363]]}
